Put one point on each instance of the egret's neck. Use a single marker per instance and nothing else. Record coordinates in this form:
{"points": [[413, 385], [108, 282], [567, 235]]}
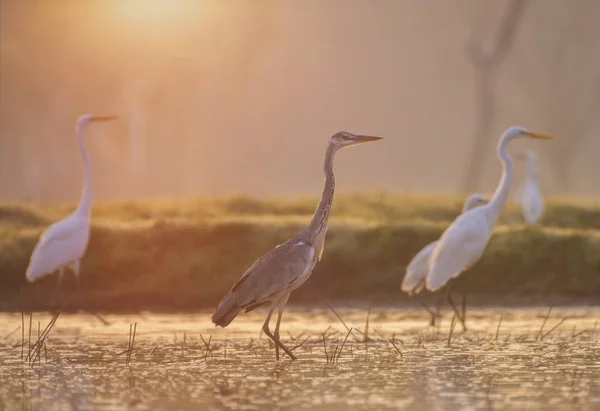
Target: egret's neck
{"points": [[494, 207], [85, 203], [318, 224]]}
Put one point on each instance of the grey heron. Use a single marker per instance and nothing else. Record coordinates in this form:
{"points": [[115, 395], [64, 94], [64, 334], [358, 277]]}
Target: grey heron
{"points": [[272, 277]]}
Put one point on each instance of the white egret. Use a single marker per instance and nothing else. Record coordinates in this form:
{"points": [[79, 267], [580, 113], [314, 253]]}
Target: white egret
{"points": [[417, 269], [273, 277], [63, 244], [463, 243], [529, 194]]}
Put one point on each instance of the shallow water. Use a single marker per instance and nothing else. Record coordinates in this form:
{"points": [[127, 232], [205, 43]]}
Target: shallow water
{"points": [[84, 363]]}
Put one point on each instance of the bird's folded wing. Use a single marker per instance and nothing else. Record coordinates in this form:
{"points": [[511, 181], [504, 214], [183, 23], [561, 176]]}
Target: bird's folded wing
{"points": [[59, 232], [519, 192], [274, 272], [460, 247], [417, 269]]}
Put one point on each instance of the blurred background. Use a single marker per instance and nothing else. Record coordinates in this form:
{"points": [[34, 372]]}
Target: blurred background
{"points": [[220, 97], [231, 101]]}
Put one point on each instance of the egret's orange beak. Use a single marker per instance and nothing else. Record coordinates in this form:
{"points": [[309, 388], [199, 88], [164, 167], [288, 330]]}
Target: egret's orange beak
{"points": [[538, 135], [103, 118]]}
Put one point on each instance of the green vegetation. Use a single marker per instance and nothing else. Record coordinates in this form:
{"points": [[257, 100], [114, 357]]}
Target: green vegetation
{"points": [[183, 254]]}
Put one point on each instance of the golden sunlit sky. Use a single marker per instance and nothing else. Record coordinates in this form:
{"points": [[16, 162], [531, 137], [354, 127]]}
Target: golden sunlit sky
{"points": [[220, 97]]}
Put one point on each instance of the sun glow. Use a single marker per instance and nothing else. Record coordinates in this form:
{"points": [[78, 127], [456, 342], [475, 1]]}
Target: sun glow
{"points": [[152, 12]]}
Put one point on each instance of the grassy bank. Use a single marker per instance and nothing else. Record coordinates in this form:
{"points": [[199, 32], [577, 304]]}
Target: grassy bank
{"points": [[187, 254]]}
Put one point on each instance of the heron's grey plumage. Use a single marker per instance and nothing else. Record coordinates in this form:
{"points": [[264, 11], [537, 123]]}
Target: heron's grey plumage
{"points": [[280, 271]]}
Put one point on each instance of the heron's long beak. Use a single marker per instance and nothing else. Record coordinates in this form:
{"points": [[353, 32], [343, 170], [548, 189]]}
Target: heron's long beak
{"points": [[103, 118], [364, 139], [538, 135]]}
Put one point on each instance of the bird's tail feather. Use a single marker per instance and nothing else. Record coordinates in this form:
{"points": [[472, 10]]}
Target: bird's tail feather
{"points": [[226, 311]]}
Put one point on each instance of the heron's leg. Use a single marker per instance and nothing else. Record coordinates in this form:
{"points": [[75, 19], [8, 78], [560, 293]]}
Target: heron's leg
{"points": [[272, 337], [281, 307], [451, 302], [418, 298]]}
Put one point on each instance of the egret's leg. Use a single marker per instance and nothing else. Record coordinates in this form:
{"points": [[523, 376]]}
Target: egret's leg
{"points": [[281, 307], [61, 273], [272, 337], [451, 302], [76, 267], [80, 293], [464, 307], [438, 304], [418, 298]]}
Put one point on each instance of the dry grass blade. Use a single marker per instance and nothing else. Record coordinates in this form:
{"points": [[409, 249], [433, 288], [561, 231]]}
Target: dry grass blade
{"points": [[325, 348], [553, 328], [339, 317], [129, 344], [343, 343], [207, 347], [133, 340], [301, 344], [22, 333], [154, 349], [39, 356], [41, 339], [498, 329], [38, 345], [130, 351], [336, 314], [379, 334], [537, 337], [204, 341], [366, 333], [298, 336], [29, 339], [397, 349], [452, 324], [7, 336], [98, 316]]}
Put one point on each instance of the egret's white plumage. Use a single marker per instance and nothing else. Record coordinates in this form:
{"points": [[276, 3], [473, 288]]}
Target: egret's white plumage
{"points": [[417, 269], [529, 194], [64, 243], [463, 243]]}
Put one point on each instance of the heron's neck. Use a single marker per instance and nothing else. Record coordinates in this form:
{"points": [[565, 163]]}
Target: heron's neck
{"points": [[496, 204], [318, 224], [85, 203]]}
